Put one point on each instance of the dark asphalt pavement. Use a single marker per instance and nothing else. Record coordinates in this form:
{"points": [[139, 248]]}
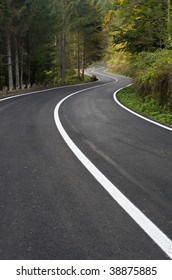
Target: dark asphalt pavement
{"points": [[50, 205]]}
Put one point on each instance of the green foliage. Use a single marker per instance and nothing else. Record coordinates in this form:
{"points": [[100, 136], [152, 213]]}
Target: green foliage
{"points": [[85, 22], [44, 37], [140, 25], [139, 43], [149, 107], [117, 61], [152, 73]]}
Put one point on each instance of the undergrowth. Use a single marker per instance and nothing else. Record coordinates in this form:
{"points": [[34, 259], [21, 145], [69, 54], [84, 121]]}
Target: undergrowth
{"points": [[147, 106], [152, 74]]}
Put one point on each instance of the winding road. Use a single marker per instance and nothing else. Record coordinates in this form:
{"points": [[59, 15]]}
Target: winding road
{"points": [[83, 178]]}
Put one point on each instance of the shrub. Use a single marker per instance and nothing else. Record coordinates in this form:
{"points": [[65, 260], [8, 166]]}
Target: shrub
{"points": [[152, 73], [93, 78]]}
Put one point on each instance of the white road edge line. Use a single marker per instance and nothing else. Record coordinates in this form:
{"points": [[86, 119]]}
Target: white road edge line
{"points": [[149, 227], [126, 108], [44, 90], [134, 113]]}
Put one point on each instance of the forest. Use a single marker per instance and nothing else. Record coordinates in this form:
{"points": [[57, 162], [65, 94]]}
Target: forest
{"points": [[45, 41], [51, 42]]}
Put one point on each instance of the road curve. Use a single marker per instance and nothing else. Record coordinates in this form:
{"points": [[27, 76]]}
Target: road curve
{"points": [[51, 206]]}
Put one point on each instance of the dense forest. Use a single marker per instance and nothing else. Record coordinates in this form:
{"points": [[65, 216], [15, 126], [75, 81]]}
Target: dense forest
{"points": [[45, 41], [50, 42]]}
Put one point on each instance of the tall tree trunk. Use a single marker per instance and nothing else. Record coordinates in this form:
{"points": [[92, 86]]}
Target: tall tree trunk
{"points": [[17, 65], [83, 59], [78, 58], [29, 58], [10, 72], [63, 55], [63, 4], [169, 19], [21, 68]]}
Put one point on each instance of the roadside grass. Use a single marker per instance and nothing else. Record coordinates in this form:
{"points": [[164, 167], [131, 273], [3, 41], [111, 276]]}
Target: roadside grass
{"points": [[146, 107], [72, 81], [120, 69], [75, 80]]}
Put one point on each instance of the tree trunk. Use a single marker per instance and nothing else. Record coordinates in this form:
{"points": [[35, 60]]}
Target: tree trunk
{"points": [[169, 19], [29, 62], [83, 59], [21, 69], [10, 71], [79, 65], [63, 56], [17, 65], [63, 4]]}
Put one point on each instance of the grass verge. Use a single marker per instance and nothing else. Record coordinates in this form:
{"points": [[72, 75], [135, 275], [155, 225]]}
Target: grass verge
{"points": [[72, 81], [147, 107]]}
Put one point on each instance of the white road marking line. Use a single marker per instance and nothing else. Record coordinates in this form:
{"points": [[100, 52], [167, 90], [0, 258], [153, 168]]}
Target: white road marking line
{"points": [[44, 90], [126, 108], [136, 114], [28, 93], [149, 227], [152, 230], [104, 75]]}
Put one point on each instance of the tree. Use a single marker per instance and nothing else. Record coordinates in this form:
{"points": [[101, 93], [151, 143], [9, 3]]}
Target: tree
{"points": [[6, 29], [141, 25], [86, 23], [29, 30], [44, 41]]}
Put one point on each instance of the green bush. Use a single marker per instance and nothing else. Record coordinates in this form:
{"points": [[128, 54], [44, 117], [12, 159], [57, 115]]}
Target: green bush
{"points": [[148, 107], [152, 73]]}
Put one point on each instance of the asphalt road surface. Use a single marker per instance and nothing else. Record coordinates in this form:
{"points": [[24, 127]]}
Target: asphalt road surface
{"points": [[52, 207]]}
